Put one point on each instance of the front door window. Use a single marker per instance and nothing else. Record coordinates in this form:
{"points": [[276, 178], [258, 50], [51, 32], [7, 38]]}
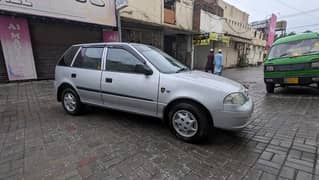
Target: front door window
{"points": [[120, 60]]}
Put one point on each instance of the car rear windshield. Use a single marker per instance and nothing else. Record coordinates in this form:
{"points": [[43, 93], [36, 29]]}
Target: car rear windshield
{"points": [[295, 48], [162, 61]]}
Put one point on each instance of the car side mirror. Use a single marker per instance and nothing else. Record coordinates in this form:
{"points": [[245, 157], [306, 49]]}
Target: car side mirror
{"points": [[143, 69]]}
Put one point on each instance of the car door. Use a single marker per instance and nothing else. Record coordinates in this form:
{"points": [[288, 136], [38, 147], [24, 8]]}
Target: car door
{"points": [[86, 74], [125, 89]]}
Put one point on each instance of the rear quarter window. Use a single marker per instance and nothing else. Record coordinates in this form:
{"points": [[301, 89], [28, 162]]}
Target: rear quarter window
{"points": [[68, 56]]}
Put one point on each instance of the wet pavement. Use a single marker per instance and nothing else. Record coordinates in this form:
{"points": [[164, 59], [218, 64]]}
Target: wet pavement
{"points": [[38, 140]]}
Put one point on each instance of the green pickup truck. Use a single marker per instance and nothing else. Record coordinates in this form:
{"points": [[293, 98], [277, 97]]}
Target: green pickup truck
{"points": [[293, 60]]}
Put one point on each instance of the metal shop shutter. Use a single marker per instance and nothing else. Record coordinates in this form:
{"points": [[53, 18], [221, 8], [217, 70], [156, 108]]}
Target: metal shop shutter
{"points": [[144, 36], [49, 41], [3, 71]]}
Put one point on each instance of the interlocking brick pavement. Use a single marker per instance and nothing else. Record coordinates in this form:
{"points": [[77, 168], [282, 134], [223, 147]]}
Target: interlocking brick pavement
{"points": [[38, 140]]}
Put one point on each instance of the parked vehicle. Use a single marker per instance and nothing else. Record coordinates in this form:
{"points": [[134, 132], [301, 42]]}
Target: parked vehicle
{"points": [[293, 60], [144, 80]]}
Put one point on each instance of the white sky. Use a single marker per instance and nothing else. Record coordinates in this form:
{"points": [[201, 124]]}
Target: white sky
{"points": [[260, 9]]}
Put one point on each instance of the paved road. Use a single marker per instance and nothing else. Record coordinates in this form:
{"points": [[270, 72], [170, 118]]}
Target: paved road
{"points": [[38, 140]]}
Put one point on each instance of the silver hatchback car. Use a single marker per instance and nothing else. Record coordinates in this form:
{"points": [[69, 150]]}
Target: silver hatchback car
{"points": [[142, 79]]}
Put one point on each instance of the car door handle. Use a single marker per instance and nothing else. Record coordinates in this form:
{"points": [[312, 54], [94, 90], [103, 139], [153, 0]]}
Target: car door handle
{"points": [[73, 75], [108, 80]]}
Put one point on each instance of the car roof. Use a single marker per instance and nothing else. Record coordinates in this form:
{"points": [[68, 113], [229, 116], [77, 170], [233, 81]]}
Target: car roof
{"points": [[296, 38], [104, 44]]}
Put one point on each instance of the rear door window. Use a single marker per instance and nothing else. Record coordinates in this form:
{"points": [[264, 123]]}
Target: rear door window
{"points": [[68, 56], [89, 58]]}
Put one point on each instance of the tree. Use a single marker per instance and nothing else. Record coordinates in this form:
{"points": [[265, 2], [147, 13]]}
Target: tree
{"points": [[308, 31]]}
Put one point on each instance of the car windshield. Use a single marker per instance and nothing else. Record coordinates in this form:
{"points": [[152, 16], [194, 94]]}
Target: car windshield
{"points": [[162, 61], [295, 48]]}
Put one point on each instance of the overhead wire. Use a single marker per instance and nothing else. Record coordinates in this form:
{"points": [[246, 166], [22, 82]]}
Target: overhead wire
{"points": [[309, 25], [293, 8], [301, 13]]}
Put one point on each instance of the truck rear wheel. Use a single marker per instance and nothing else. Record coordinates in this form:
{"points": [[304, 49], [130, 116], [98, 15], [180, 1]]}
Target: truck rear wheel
{"points": [[270, 87]]}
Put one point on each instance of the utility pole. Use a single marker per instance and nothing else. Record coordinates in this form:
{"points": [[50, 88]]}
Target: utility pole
{"points": [[119, 26], [120, 4]]}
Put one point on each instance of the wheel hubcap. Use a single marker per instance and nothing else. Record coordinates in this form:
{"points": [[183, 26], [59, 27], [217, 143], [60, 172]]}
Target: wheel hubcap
{"points": [[69, 102], [185, 123]]}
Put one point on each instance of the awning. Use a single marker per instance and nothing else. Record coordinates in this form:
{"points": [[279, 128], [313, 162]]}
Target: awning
{"points": [[239, 39]]}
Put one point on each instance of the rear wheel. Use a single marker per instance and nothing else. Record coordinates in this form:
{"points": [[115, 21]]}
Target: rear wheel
{"points": [[71, 102], [270, 87], [189, 122]]}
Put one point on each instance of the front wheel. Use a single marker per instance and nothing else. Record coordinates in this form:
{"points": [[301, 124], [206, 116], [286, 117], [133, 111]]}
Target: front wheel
{"points": [[71, 102], [270, 87], [189, 122]]}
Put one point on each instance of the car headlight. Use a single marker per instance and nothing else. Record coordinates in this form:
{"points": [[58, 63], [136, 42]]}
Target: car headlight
{"points": [[235, 99], [315, 65], [270, 68]]}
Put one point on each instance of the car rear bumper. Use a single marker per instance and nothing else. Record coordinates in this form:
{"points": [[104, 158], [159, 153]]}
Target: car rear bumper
{"points": [[234, 120]]}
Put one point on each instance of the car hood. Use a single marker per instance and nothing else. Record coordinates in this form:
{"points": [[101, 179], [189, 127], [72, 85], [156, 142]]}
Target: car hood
{"points": [[210, 80]]}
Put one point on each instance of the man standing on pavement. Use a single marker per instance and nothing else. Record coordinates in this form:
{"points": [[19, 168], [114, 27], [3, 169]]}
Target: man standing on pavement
{"points": [[218, 62], [210, 61]]}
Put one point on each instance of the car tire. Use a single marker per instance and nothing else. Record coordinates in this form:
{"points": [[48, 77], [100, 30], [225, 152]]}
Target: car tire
{"points": [[71, 102], [189, 116], [270, 87]]}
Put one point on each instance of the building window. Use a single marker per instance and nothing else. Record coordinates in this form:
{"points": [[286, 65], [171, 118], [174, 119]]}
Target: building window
{"points": [[169, 4], [169, 11]]}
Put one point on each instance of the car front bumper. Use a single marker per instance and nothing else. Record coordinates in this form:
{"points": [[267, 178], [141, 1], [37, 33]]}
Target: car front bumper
{"points": [[231, 118], [301, 80]]}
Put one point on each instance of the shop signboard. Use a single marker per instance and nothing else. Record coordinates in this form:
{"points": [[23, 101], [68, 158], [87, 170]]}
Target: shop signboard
{"points": [[213, 36], [260, 24], [201, 39], [100, 12], [205, 38], [226, 40], [281, 26], [17, 49]]}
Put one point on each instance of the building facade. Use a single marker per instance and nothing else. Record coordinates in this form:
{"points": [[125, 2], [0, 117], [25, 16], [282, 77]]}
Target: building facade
{"points": [[236, 27], [166, 24], [257, 49], [34, 34], [208, 22], [223, 26]]}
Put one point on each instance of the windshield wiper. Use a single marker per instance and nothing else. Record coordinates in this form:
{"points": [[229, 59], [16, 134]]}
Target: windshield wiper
{"points": [[310, 52], [182, 69], [284, 54]]}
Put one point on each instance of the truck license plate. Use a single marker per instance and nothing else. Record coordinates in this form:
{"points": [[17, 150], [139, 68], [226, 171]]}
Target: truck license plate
{"points": [[292, 80]]}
